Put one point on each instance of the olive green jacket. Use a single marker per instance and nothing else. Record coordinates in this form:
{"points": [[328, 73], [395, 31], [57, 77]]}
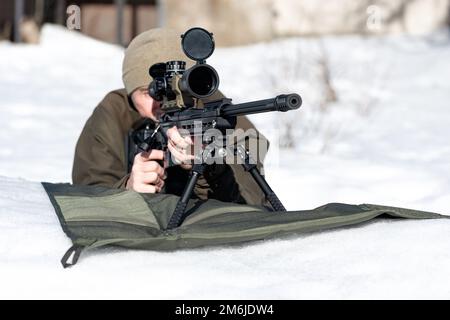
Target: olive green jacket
{"points": [[101, 157]]}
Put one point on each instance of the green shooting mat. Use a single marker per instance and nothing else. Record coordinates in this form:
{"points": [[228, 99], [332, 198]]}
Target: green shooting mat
{"points": [[98, 216]]}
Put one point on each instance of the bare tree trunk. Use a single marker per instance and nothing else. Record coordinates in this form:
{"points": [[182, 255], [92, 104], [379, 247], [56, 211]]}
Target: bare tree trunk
{"points": [[120, 4], [60, 11], [39, 12], [18, 16], [330, 95]]}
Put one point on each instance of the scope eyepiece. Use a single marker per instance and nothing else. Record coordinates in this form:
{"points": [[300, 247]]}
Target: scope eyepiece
{"points": [[157, 89]]}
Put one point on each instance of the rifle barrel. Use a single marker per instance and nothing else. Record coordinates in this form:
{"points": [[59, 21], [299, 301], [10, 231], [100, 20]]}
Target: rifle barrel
{"points": [[282, 103]]}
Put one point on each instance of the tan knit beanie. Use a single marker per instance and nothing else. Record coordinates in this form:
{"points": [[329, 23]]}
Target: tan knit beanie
{"points": [[148, 48]]}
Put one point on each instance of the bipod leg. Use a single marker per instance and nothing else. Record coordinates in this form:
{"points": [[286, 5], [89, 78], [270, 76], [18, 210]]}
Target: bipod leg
{"points": [[178, 214], [258, 177]]}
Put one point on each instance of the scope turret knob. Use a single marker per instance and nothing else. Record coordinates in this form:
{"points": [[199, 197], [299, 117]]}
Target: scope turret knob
{"points": [[175, 66]]}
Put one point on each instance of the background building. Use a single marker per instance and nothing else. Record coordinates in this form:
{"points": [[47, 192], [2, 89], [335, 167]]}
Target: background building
{"points": [[115, 21], [233, 22]]}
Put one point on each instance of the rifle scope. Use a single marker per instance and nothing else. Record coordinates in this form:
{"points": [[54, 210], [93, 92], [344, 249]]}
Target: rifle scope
{"points": [[199, 81], [176, 86]]}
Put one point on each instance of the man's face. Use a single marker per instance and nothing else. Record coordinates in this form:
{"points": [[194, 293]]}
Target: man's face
{"points": [[145, 104]]}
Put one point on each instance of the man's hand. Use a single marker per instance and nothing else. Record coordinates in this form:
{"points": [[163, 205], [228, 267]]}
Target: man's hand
{"points": [[180, 148], [147, 176]]}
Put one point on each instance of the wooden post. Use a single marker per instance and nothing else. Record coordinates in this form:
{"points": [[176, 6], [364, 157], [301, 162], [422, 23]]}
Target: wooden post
{"points": [[18, 15], [134, 21], [120, 5], [60, 11], [161, 13], [39, 11]]}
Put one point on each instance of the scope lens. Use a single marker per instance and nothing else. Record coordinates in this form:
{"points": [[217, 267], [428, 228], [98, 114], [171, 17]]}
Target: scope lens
{"points": [[202, 81]]}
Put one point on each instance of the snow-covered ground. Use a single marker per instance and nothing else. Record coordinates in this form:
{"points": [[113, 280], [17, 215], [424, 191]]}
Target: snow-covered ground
{"points": [[384, 140]]}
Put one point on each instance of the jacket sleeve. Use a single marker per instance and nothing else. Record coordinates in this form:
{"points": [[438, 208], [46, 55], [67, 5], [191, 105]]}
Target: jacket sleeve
{"points": [[99, 157]]}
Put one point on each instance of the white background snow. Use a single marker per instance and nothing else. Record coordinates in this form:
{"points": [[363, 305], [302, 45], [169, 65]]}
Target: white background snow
{"points": [[385, 140]]}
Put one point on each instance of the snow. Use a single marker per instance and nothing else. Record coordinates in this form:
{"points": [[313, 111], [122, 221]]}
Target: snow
{"points": [[384, 141]]}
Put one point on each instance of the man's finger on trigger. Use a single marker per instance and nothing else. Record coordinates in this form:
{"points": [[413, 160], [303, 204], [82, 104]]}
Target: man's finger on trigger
{"points": [[184, 150], [175, 149], [189, 140], [180, 156], [176, 138], [172, 132]]}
